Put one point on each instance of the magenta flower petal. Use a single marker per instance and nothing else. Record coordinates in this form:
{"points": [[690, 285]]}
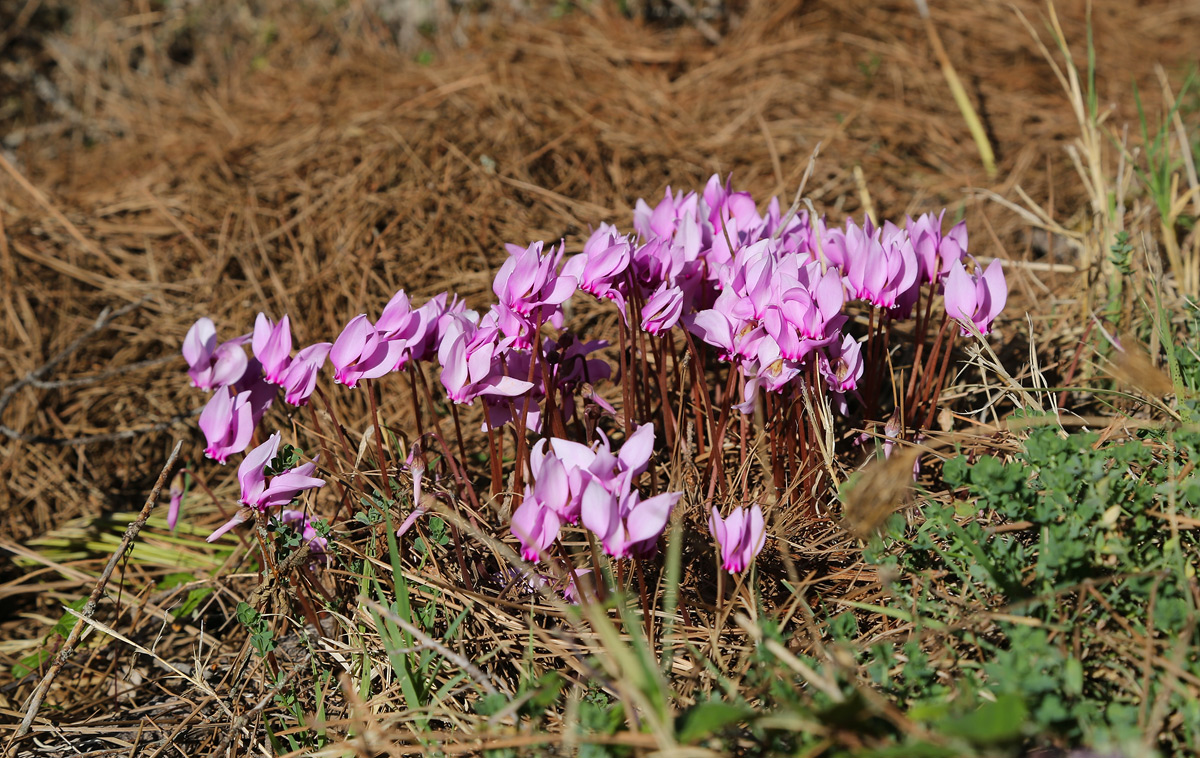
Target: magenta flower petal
{"points": [[200, 342], [238, 518], [251, 475]]}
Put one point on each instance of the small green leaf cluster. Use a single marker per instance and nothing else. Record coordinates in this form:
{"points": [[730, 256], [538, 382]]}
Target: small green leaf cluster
{"points": [[1056, 594], [262, 639], [287, 458]]}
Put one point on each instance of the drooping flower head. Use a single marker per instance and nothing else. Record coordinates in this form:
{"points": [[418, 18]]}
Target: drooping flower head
{"points": [[261, 491], [472, 354], [300, 378], [362, 352], [212, 365], [283, 488], [272, 346], [228, 423], [627, 526], [740, 537], [977, 297], [530, 288]]}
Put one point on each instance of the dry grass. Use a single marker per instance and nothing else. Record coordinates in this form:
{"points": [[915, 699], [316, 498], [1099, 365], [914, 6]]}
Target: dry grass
{"points": [[300, 162]]}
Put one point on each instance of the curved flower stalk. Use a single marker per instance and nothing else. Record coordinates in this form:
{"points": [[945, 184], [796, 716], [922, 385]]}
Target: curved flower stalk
{"points": [[977, 297], [212, 365], [261, 491], [416, 330], [740, 537]]}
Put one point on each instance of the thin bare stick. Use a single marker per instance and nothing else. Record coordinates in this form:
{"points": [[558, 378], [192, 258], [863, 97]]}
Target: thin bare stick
{"points": [[89, 609]]}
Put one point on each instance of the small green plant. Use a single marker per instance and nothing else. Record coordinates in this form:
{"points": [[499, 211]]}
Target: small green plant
{"points": [[1062, 560]]}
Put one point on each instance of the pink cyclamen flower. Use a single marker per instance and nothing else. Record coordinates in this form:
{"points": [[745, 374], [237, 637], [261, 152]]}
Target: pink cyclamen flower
{"points": [[663, 309], [600, 268], [529, 280], [283, 488], [537, 521], [415, 329], [362, 352], [842, 365], [536, 525], [472, 359], [740, 537], [261, 495], [977, 297], [228, 423], [272, 346], [300, 378], [212, 365], [626, 525], [937, 252]]}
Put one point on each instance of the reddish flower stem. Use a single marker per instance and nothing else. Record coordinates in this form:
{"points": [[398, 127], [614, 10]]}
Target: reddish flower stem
{"points": [[379, 454]]}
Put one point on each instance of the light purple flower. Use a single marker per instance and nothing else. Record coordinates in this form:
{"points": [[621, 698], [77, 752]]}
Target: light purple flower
{"points": [[627, 526], [740, 537], [936, 252], [662, 311], [472, 359], [536, 525], [228, 423], [842, 364], [361, 352], [414, 329], [272, 346], [600, 269], [211, 365], [283, 487], [842, 367], [977, 297], [529, 281], [300, 378], [258, 494], [546, 505]]}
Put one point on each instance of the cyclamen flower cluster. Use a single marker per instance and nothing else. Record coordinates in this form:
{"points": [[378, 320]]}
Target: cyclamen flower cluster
{"points": [[244, 388], [768, 290], [574, 482], [258, 494]]}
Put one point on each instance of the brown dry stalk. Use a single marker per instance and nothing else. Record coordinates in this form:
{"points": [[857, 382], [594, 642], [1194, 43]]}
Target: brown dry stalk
{"points": [[89, 609]]}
